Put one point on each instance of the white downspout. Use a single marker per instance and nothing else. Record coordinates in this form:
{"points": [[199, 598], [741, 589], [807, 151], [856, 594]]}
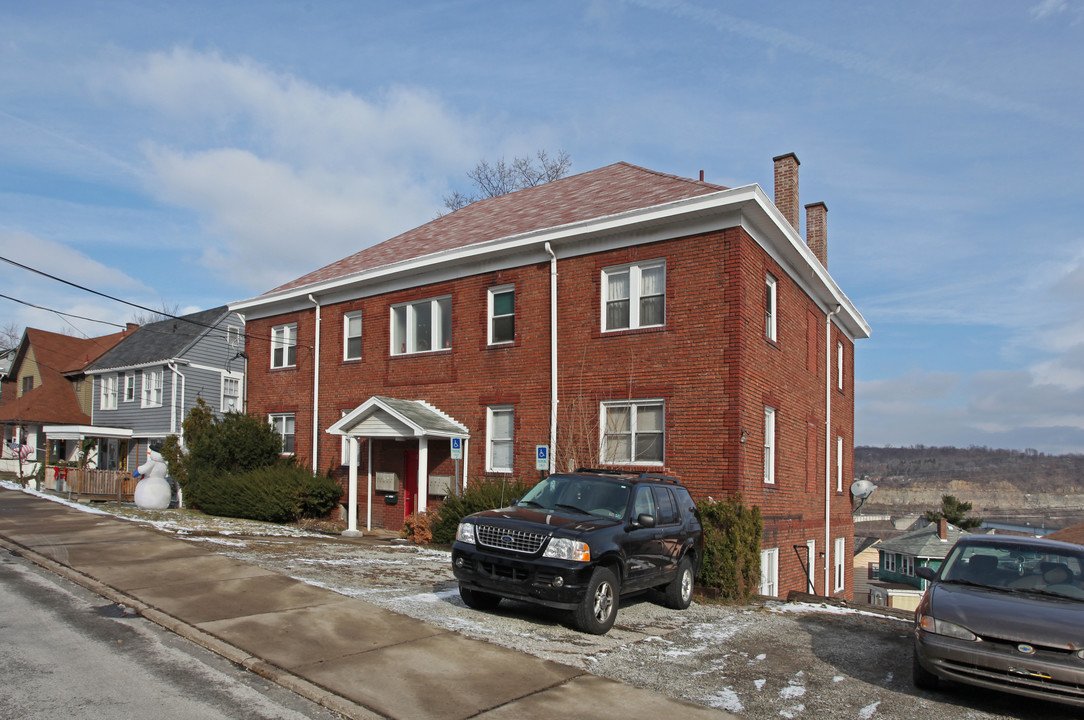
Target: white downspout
{"points": [[316, 388], [172, 365], [553, 355], [828, 447]]}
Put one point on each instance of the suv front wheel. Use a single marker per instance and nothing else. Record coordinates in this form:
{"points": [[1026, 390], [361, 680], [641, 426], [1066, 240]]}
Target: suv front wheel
{"points": [[598, 610]]}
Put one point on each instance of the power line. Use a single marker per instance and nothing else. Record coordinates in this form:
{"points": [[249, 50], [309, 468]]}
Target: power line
{"points": [[58, 312]]}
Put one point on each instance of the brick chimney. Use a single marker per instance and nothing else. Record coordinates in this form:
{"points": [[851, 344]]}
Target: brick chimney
{"points": [[786, 187], [816, 230], [942, 529]]}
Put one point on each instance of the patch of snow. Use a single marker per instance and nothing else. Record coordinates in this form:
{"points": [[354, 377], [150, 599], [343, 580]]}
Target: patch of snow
{"points": [[792, 712], [788, 607], [838, 678], [792, 691], [868, 711], [725, 699], [760, 683]]}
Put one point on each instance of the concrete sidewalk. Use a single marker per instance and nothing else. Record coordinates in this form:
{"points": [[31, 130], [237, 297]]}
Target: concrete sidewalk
{"points": [[352, 657]]}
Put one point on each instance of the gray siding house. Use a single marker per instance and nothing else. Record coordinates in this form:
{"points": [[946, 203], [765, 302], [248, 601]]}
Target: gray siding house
{"points": [[149, 381]]}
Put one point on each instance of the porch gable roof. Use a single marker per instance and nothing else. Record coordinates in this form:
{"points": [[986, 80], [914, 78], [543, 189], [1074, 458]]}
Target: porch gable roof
{"points": [[395, 418]]}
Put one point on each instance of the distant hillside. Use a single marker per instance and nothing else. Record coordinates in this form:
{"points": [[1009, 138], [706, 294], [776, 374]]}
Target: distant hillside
{"points": [[1029, 485]]}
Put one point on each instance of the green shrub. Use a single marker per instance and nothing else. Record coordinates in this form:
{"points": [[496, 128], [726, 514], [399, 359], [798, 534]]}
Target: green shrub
{"points": [[275, 493], [234, 444], [481, 494], [732, 534]]}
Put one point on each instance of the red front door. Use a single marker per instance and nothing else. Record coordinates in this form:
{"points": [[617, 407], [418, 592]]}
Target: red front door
{"points": [[410, 482]]}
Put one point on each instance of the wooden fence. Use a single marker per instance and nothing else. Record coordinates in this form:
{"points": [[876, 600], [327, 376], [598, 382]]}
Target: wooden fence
{"points": [[118, 485]]}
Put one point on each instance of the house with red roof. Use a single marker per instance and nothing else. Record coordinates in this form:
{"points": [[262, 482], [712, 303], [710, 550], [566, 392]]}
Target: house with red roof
{"points": [[46, 385], [621, 318]]}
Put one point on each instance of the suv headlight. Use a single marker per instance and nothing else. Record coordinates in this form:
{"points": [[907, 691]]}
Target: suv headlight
{"points": [[944, 627], [465, 533], [565, 549]]}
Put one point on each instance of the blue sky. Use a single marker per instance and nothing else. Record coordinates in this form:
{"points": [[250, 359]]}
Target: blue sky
{"points": [[191, 154]]}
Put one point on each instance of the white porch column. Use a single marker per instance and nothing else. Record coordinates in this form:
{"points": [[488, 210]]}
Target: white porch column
{"points": [[423, 475], [369, 501], [352, 512]]}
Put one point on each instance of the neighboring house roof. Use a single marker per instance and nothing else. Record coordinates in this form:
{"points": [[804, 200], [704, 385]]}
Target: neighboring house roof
{"points": [[924, 542], [1072, 534], [56, 356], [6, 356], [160, 341], [598, 193]]}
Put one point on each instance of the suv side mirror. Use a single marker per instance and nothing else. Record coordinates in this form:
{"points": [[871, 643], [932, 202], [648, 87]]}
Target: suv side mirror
{"points": [[645, 521], [926, 573]]}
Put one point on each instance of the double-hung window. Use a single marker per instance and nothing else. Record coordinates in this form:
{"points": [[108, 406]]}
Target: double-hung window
{"points": [[422, 326], [841, 549], [769, 445], [231, 392], [284, 346], [839, 463], [633, 432], [352, 336], [152, 388], [839, 365], [283, 424], [769, 572], [771, 307], [129, 386], [502, 314], [500, 430], [634, 296], [109, 392]]}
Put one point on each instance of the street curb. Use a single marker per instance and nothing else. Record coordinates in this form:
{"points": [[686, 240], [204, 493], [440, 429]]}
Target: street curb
{"points": [[234, 654]]}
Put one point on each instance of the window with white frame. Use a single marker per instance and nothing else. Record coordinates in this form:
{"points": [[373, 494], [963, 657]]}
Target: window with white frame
{"points": [[109, 392], [633, 432], [907, 565], [423, 326], [634, 296], [344, 444], [841, 549], [769, 572], [233, 336], [283, 424], [769, 445], [839, 463], [771, 307], [152, 388], [231, 392], [284, 345], [889, 564], [839, 365], [500, 430], [502, 314], [352, 336], [129, 386]]}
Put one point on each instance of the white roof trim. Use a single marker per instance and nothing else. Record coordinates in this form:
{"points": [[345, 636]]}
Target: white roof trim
{"points": [[78, 432]]}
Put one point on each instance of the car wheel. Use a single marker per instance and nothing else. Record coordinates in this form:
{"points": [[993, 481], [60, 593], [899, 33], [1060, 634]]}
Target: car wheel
{"points": [[598, 610], [923, 678], [477, 600], [679, 591]]}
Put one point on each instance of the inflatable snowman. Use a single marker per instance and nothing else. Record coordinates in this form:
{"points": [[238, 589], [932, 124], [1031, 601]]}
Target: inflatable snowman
{"points": [[153, 491]]}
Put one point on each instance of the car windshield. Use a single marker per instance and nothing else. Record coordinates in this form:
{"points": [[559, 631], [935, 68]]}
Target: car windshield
{"points": [[591, 496], [1016, 567]]}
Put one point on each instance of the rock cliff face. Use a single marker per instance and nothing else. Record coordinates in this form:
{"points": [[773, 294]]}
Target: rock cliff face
{"points": [[999, 484]]}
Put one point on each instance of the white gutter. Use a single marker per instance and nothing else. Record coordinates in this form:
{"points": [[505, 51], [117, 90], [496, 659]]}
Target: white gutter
{"points": [[828, 446], [172, 365], [315, 386], [553, 355]]}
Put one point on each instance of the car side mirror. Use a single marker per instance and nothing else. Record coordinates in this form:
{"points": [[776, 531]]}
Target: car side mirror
{"points": [[926, 573], [645, 521]]}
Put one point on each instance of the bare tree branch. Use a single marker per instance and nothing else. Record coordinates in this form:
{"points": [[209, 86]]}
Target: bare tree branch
{"points": [[502, 177]]}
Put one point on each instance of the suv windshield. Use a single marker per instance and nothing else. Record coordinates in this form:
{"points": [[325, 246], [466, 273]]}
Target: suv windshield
{"points": [[591, 496], [1008, 566]]}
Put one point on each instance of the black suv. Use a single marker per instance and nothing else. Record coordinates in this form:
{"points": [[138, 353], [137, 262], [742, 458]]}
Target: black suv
{"points": [[578, 541]]}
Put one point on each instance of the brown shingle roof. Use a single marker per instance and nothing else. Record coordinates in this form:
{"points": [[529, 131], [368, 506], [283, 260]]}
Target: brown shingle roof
{"points": [[57, 356], [610, 190], [1071, 534]]}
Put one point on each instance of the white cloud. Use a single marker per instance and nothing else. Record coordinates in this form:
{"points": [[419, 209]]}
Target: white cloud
{"points": [[291, 176]]}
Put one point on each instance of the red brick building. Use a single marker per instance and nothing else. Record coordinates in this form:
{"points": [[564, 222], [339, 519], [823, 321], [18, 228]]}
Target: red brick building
{"points": [[619, 318]]}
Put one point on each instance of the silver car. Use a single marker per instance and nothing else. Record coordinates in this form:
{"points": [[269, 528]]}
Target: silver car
{"points": [[1005, 613]]}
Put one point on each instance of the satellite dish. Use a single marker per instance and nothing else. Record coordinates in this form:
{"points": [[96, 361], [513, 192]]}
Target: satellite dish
{"points": [[862, 489]]}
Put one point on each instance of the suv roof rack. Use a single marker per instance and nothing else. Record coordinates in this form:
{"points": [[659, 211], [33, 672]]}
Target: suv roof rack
{"points": [[626, 473]]}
